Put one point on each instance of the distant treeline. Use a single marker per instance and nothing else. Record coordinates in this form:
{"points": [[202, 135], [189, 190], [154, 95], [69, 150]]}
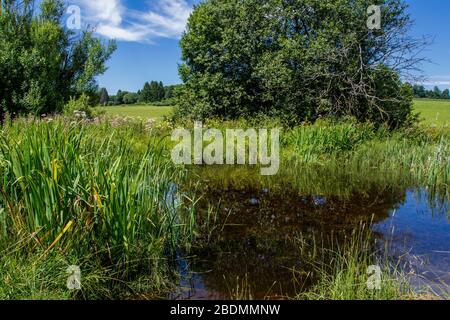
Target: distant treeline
{"points": [[153, 92], [436, 93]]}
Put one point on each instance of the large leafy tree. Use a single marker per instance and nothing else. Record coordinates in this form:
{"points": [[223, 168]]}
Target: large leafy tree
{"points": [[130, 98], [119, 97], [154, 91], [298, 59], [146, 93], [42, 63], [161, 91], [103, 96]]}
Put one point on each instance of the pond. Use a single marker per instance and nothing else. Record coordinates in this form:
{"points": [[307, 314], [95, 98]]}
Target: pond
{"points": [[263, 231]]}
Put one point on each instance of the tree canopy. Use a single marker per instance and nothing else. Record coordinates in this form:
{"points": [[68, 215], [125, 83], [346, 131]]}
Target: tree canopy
{"points": [[103, 97], [420, 92], [297, 59], [43, 63]]}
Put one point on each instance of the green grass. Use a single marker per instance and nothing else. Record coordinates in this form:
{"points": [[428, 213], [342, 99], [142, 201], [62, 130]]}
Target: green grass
{"points": [[342, 272], [137, 111], [339, 158], [95, 195], [90, 195], [433, 112]]}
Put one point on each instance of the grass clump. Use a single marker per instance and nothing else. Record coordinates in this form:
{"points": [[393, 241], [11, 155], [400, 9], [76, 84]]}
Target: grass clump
{"points": [[347, 272], [83, 192]]}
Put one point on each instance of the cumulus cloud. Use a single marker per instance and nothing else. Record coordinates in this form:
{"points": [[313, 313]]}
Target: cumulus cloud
{"points": [[113, 19]]}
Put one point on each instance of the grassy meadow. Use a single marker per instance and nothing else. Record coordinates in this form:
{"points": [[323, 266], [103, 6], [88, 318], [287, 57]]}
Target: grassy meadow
{"points": [[137, 111], [106, 196], [433, 112]]}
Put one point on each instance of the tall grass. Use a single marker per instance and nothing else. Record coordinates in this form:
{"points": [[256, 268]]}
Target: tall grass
{"points": [[91, 190], [107, 197], [338, 158], [423, 153], [342, 271]]}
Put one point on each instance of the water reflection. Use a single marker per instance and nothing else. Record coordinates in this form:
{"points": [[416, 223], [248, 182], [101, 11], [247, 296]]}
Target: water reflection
{"points": [[419, 233], [259, 241]]}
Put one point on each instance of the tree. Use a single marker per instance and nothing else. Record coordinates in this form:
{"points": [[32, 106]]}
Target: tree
{"points": [[446, 94], [104, 97], [419, 91], [43, 63], [297, 60], [119, 97], [154, 91], [168, 92], [130, 98], [437, 94], [161, 91], [146, 93], [173, 91]]}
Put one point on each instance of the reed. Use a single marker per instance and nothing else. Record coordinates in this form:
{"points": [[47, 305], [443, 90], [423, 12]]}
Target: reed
{"points": [[103, 191], [343, 271]]}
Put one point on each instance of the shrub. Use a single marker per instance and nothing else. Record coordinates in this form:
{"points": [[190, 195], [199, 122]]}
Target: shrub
{"points": [[79, 108]]}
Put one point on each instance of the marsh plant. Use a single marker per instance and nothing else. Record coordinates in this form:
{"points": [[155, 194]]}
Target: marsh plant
{"points": [[241, 147], [91, 192]]}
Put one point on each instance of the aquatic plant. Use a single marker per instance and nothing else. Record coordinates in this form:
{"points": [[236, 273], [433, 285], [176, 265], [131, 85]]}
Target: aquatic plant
{"points": [[79, 189]]}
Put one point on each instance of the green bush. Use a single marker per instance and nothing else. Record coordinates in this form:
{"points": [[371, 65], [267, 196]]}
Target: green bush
{"points": [[295, 60], [79, 108]]}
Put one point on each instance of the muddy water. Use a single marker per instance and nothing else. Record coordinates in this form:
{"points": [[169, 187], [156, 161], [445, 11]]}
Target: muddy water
{"points": [[267, 239]]}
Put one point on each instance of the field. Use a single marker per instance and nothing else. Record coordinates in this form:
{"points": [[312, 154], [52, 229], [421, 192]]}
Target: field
{"points": [[136, 111], [433, 112]]}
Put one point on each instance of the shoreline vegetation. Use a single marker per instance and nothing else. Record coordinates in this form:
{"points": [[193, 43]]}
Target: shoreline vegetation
{"points": [[96, 195], [92, 205]]}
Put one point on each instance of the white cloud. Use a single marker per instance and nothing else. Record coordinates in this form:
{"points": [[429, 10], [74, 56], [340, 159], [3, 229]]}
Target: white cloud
{"points": [[437, 81], [112, 19], [103, 11], [170, 18]]}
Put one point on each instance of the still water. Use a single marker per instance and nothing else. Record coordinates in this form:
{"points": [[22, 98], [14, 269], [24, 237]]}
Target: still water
{"points": [[258, 246]]}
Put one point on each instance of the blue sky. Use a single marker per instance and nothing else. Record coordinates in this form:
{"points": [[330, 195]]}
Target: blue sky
{"points": [[148, 32]]}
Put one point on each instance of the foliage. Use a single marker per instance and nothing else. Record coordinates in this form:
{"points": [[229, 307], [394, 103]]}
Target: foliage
{"points": [[42, 63], [296, 60], [79, 107], [420, 92], [104, 97], [130, 98], [152, 92], [99, 196], [146, 93]]}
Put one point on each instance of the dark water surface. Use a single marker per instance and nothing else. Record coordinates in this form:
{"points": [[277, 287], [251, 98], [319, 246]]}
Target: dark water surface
{"points": [[259, 247]]}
